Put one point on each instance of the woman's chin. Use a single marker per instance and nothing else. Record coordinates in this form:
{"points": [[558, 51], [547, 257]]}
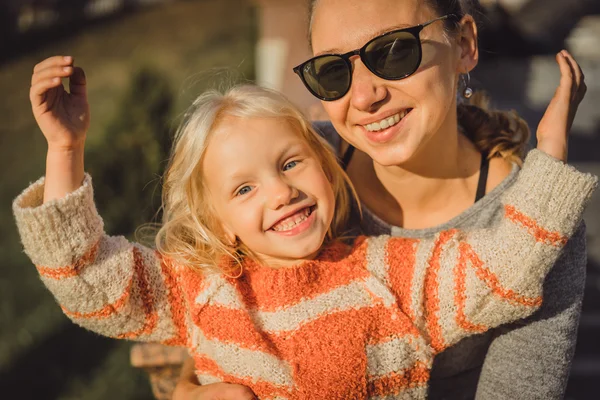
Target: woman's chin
{"points": [[392, 155]]}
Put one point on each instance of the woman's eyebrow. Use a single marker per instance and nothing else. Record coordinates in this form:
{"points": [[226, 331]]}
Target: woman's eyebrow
{"points": [[372, 36]]}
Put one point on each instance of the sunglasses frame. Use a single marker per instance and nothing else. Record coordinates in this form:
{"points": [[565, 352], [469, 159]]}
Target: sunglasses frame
{"points": [[414, 30]]}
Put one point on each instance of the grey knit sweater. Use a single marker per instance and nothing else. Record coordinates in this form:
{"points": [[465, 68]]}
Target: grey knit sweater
{"points": [[527, 360]]}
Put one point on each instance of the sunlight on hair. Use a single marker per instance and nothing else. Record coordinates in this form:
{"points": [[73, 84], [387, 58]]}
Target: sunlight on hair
{"points": [[191, 234]]}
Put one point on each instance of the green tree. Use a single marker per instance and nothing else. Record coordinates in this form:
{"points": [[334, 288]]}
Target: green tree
{"points": [[127, 167]]}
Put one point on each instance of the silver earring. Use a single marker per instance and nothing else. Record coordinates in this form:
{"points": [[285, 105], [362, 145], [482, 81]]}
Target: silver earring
{"points": [[467, 92]]}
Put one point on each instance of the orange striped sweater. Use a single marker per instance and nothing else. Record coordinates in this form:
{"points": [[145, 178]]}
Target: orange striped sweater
{"points": [[360, 321]]}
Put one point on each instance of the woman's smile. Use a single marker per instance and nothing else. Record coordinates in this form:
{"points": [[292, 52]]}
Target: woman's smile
{"points": [[386, 129]]}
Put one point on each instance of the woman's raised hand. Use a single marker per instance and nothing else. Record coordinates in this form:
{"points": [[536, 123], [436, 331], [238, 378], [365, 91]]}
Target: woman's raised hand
{"points": [[63, 117], [553, 130]]}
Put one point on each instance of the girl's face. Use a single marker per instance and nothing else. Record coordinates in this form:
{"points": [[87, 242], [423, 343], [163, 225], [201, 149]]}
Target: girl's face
{"points": [[268, 188], [423, 101]]}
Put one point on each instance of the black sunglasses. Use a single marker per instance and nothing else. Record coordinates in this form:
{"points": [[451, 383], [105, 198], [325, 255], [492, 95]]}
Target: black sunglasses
{"points": [[393, 55]]}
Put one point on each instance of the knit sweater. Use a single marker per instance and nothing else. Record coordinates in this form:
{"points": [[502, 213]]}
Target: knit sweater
{"points": [[529, 359], [360, 321]]}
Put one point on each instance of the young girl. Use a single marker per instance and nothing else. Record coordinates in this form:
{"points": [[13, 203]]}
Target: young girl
{"points": [[250, 273]]}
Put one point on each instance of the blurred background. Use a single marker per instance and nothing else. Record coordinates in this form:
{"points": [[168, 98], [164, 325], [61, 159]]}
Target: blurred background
{"points": [[145, 61]]}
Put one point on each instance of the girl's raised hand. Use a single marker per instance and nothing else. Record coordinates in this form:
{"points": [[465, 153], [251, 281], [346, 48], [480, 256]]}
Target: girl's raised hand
{"points": [[553, 130], [63, 117]]}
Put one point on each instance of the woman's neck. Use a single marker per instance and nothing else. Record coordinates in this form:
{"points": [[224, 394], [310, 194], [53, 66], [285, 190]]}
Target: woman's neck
{"points": [[431, 189]]}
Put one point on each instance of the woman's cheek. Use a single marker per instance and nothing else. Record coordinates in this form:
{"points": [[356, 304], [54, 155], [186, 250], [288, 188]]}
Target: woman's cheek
{"points": [[337, 113]]}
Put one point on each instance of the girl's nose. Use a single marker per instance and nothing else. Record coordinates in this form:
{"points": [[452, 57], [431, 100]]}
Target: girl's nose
{"points": [[280, 193], [367, 90]]}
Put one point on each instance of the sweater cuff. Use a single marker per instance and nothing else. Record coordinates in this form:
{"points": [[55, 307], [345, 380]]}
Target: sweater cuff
{"points": [[57, 232], [547, 186]]}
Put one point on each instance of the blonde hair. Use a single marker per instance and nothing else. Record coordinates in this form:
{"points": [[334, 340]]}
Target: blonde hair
{"points": [[191, 234]]}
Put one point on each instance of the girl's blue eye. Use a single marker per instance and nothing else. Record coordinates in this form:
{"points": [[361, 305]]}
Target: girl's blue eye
{"points": [[243, 190], [290, 165]]}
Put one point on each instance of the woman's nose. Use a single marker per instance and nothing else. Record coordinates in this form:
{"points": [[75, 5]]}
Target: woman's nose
{"points": [[280, 193], [366, 92]]}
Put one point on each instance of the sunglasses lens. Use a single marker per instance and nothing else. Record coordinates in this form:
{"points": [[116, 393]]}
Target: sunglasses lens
{"points": [[328, 77], [393, 56]]}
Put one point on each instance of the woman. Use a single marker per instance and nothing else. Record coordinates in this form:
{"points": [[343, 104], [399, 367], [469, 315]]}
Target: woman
{"points": [[422, 163]]}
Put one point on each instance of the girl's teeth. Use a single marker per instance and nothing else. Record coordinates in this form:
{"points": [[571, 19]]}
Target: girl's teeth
{"points": [[386, 122], [292, 221]]}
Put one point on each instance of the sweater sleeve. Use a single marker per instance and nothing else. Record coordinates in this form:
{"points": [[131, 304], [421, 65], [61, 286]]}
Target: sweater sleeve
{"points": [[460, 283], [537, 363], [103, 283]]}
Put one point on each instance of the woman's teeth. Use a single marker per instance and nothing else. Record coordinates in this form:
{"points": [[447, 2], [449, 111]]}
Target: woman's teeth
{"points": [[386, 122], [293, 220]]}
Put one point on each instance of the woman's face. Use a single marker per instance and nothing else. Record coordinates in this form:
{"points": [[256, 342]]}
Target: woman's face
{"points": [[424, 103]]}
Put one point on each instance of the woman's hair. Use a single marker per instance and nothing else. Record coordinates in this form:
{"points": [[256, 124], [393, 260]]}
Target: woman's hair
{"points": [[191, 233], [494, 132]]}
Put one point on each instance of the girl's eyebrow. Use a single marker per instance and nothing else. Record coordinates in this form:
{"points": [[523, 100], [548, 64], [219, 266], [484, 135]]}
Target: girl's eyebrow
{"points": [[293, 148], [237, 177]]}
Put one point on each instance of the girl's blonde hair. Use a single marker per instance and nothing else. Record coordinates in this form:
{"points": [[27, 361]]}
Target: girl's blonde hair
{"points": [[191, 234]]}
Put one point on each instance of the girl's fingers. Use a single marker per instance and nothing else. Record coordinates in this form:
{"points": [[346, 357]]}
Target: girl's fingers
{"points": [[565, 87], [579, 76], [51, 72], [77, 81], [580, 87], [60, 61], [37, 93]]}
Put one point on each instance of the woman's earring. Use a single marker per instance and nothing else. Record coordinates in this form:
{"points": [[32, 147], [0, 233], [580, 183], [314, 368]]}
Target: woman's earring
{"points": [[467, 92]]}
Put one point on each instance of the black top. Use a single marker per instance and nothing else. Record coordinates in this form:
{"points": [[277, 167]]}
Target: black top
{"points": [[483, 174], [483, 171]]}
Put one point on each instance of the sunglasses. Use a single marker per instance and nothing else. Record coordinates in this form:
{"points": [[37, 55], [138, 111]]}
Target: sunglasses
{"points": [[393, 56]]}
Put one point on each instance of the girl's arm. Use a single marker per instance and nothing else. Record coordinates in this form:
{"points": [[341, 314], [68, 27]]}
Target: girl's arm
{"points": [[64, 118], [103, 283], [461, 283]]}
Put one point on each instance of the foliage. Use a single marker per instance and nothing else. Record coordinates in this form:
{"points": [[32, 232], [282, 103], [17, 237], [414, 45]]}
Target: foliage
{"points": [[126, 169]]}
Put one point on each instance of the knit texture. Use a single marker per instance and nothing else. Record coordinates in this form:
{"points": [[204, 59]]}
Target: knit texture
{"points": [[358, 322], [526, 360]]}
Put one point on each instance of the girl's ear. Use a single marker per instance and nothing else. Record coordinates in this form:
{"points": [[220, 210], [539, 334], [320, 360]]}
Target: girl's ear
{"points": [[230, 236], [467, 43]]}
